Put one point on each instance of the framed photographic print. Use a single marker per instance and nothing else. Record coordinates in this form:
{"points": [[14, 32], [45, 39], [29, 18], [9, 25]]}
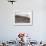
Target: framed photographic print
{"points": [[23, 18]]}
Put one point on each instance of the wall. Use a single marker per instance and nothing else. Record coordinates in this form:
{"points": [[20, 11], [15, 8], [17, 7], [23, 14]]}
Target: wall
{"points": [[9, 31]]}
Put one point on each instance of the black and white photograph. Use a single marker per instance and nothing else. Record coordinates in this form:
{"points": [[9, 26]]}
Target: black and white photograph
{"points": [[23, 18]]}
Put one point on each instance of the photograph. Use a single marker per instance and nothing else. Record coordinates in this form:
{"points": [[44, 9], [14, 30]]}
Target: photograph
{"points": [[22, 22], [23, 18]]}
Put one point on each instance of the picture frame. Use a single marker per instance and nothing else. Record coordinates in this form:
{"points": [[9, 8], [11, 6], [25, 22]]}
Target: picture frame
{"points": [[23, 18]]}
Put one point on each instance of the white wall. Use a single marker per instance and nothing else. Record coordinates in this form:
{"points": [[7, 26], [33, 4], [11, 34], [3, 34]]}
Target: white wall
{"points": [[9, 31]]}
